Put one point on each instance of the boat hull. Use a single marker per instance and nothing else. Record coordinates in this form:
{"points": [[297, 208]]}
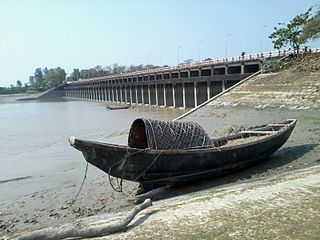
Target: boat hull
{"points": [[160, 167]]}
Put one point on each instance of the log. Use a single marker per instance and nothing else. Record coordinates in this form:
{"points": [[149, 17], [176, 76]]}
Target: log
{"points": [[154, 194], [78, 230]]}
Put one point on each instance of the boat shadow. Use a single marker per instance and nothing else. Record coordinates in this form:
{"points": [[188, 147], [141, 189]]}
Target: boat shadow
{"points": [[274, 164]]}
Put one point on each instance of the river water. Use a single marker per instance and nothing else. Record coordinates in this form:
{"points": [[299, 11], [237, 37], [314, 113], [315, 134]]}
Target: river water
{"points": [[35, 154]]}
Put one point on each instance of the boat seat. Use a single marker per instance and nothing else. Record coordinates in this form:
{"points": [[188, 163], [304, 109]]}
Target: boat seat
{"points": [[259, 132], [277, 125]]}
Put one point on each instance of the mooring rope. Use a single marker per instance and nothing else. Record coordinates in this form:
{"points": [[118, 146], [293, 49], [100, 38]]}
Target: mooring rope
{"points": [[122, 162], [153, 162], [84, 178]]}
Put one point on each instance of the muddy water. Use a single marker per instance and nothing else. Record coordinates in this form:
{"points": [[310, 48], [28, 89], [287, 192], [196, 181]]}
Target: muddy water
{"points": [[35, 154]]}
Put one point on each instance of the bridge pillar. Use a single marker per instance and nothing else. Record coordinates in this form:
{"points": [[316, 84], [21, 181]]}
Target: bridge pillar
{"points": [[184, 95], [97, 93], [173, 95], [242, 68], [102, 94], [117, 97], [195, 94], [125, 94], [119, 94], [136, 94], [157, 100], [164, 95], [208, 90], [149, 94], [130, 91], [142, 95]]}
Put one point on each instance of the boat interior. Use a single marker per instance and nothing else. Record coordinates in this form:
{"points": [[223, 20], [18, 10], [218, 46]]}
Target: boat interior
{"points": [[252, 134]]}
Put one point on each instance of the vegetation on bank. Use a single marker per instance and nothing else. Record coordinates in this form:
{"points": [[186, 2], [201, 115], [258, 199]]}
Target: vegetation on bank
{"points": [[298, 31]]}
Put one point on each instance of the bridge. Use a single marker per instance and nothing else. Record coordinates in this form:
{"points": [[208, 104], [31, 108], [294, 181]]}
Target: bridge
{"points": [[183, 86]]}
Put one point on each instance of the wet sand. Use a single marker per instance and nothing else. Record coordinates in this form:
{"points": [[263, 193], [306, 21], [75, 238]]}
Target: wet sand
{"points": [[41, 174]]}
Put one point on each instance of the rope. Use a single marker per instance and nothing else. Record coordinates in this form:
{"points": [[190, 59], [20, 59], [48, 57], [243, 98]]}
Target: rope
{"points": [[84, 178], [153, 162], [122, 162]]}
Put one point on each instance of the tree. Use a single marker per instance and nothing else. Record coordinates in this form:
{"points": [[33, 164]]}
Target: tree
{"points": [[75, 75], [54, 78], [38, 77], [291, 33], [19, 84], [31, 80], [311, 30]]}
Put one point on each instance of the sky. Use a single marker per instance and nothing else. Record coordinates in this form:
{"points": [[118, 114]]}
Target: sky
{"points": [[83, 34]]}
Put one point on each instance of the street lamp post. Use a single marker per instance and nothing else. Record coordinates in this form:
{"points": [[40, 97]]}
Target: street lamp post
{"points": [[178, 54], [226, 45], [262, 27]]}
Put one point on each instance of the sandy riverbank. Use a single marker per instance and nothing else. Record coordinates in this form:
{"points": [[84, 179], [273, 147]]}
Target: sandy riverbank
{"points": [[285, 206]]}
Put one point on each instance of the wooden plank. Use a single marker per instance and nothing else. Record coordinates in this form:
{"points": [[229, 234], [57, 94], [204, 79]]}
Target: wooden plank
{"points": [[260, 132], [277, 125]]}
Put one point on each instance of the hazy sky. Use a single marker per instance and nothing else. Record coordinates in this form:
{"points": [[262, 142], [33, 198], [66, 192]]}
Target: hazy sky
{"points": [[83, 34]]}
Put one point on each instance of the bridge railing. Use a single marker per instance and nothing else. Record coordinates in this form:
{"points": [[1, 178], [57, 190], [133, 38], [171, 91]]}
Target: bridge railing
{"points": [[244, 58]]}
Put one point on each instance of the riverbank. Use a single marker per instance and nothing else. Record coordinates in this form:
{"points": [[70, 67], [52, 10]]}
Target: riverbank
{"points": [[276, 199], [285, 206]]}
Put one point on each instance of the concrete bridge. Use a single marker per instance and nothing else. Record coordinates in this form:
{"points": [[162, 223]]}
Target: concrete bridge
{"points": [[183, 86]]}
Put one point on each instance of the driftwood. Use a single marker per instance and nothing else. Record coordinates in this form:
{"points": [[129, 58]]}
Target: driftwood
{"points": [[79, 230], [154, 194]]}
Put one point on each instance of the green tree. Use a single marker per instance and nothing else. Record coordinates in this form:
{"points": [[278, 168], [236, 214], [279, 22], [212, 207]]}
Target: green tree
{"points": [[38, 77], [311, 29], [76, 74], [54, 78], [31, 80], [19, 84], [291, 33]]}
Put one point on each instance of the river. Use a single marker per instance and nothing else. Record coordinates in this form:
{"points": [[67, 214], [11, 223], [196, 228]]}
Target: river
{"points": [[35, 154]]}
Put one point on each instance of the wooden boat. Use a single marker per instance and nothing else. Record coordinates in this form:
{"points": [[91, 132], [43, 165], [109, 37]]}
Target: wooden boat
{"points": [[118, 107], [153, 167]]}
